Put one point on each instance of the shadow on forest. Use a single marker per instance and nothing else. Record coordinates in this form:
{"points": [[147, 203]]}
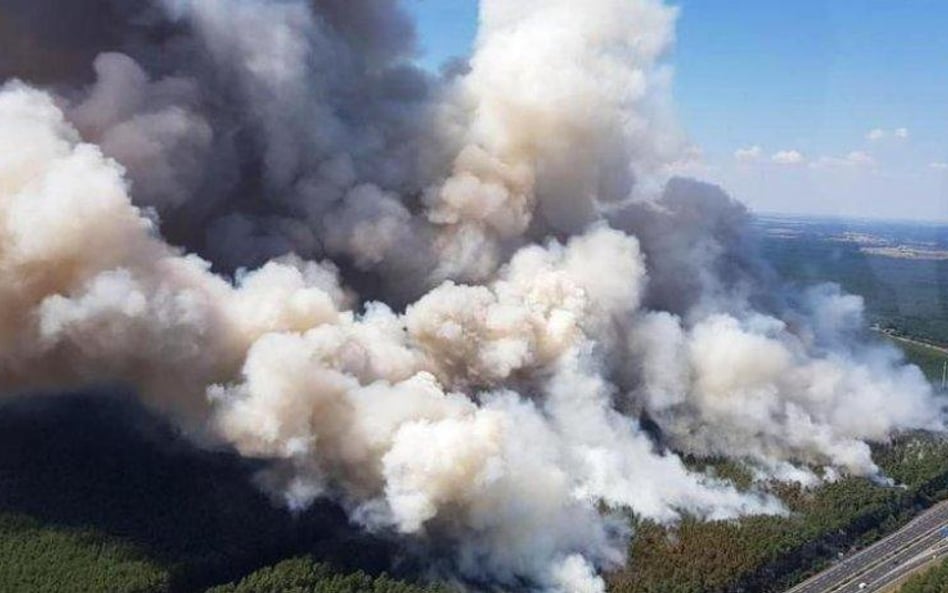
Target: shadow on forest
{"points": [[106, 464]]}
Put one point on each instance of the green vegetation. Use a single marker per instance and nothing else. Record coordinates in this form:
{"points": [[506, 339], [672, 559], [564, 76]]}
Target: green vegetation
{"points": [[919, 461], [89, 504], [759, 553], [43, 559], [934, 580], [305, 575], [769, 553], [722, 468], [908, 295], [930, 360]]}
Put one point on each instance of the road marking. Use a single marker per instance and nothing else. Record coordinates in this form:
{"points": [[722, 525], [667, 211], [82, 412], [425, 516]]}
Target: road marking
{"points": [[845, 567]]}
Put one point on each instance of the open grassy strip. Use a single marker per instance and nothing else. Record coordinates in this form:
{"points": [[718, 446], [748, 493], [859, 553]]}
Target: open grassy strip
{"points": [[933, 580], [930, 360]]}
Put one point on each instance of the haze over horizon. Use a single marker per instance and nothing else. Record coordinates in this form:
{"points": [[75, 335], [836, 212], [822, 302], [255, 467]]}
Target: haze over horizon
{"points": [[851, 123]]}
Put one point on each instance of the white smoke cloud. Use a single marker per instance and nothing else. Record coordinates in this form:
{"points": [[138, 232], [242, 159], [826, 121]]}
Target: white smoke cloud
{"points": [[436, 459], [546, 78], [352, 402], [751, 388], [95, 296], [488, 394]]}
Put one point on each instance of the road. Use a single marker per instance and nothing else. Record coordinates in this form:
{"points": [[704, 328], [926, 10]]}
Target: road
{"points": [[913, 341], [886, 561]]}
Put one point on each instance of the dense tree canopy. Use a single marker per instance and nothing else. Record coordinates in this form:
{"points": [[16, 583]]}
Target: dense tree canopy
{"points": [[770, 553], [96, 497], [931, 581]]}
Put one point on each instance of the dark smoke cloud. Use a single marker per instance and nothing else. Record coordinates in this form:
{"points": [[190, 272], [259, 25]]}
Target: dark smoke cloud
{"points": [[699, 248], [48, 42], [238, 121]]}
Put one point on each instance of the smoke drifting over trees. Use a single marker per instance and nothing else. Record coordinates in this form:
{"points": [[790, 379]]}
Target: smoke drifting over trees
{"points": [[446, 303]]}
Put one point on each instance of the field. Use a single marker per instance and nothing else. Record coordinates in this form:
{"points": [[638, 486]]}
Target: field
{"points": [[930, 359], [910, 295], [905, 296]]}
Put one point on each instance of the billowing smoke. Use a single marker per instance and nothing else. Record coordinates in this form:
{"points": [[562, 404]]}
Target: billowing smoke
{"points": [[449, 304]]}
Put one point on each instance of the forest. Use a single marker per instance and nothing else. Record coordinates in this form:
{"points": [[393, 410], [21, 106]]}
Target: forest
{"points": [[98, 496], [934, 580], [909, 297], [769, 554]]}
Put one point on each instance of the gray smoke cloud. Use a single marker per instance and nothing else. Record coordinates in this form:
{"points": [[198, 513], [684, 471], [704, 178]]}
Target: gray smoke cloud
{"points": [[446, 303]]}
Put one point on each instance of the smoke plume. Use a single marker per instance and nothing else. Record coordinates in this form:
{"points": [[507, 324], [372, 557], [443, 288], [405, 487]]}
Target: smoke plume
{"points": [[448, 303]]}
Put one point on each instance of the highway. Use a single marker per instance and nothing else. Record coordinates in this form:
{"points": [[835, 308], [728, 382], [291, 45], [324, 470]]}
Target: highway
{"points": [[886, 561]]}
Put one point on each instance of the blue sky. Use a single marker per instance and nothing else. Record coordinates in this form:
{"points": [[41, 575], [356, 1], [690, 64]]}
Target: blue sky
{"points": [[853, 96]]}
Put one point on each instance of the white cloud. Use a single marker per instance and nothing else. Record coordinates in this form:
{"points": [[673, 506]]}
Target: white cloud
{"points": [[749, 154], [881, 134], [938, 166], [787, 157], [856, 158], [859, 158], [691, 162]]}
